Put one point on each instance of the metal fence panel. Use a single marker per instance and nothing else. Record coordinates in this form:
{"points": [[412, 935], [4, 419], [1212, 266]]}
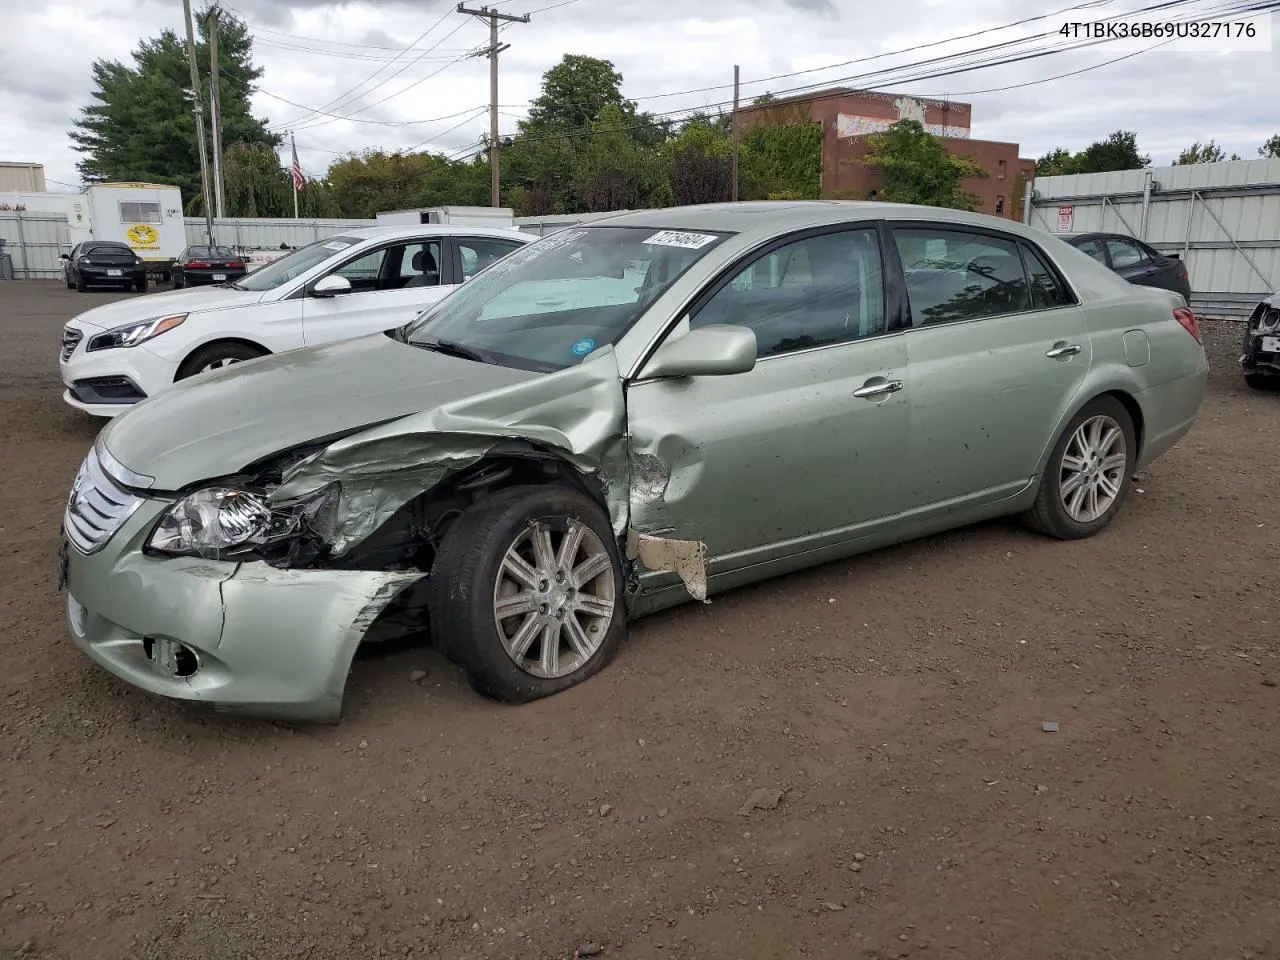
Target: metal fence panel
{"points": [[1223, 219], [33, 241], [249, 233]]}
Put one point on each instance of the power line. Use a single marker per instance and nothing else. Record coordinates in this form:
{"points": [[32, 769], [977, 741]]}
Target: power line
{"points": [[927, 75], [346, 97], [474, 115], [380, 123]]}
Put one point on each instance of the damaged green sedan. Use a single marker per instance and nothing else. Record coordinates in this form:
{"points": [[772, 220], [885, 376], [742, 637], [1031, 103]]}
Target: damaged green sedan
{"points": [[617, 418]]}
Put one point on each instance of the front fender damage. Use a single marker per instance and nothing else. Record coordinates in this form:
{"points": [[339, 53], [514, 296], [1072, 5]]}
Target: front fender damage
{"points": [[577, 414]]}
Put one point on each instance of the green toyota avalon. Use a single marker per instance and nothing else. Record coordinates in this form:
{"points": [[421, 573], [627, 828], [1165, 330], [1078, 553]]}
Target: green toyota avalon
{"points": [[622, 416]]}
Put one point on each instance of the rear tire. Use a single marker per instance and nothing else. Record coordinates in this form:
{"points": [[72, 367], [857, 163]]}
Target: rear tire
{"points": [[141, 285], [213, 356], [565, 612], [1088, 475], [178, 282]]}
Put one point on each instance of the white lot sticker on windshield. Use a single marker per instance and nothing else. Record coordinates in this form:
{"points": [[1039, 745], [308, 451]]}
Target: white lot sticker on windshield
{"points": [[336, 245], [678, 238]]}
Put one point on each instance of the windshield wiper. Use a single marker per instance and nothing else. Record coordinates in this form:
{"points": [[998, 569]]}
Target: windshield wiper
{"points": [[453, 349]]}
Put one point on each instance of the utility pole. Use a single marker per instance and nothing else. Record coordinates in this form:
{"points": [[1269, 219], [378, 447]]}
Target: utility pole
{"points": [[197, 105], [733, 131], [492, 51], [215, 103]]}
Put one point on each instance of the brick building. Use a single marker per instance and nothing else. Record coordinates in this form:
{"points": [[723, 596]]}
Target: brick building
{"points": [[848, 116]]}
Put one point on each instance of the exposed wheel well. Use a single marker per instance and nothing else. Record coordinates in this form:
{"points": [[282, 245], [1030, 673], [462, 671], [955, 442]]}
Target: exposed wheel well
{"points": [[184, 367], [412, 534]]}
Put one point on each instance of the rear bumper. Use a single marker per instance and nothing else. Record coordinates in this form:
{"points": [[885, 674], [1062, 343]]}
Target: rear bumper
{"points": [[96, 275], [1169, 411], [198, 277]]}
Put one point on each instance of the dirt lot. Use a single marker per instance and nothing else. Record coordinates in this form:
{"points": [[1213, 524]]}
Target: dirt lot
{"points": [[895, 700]]}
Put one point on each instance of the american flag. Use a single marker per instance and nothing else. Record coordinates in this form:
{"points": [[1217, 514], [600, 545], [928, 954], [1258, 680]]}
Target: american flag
{"points": [[297, 170]]}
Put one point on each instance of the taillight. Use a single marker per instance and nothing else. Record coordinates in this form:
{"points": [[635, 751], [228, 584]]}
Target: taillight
{"points": [[196, 265], [235, 265], [1188, 320]]}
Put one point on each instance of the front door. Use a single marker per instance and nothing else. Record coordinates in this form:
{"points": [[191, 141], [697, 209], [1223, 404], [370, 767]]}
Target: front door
{"points": [[799, 453], [997, 353], [389, 287]]}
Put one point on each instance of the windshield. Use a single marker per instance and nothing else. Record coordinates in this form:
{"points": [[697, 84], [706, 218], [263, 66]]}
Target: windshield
{"points": [[293, 265], [210, 252], [553, 302]]}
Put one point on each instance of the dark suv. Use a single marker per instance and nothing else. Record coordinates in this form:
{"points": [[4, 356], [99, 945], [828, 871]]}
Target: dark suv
{"points": [[1134, 260], [104, 263], [1261, 357]]}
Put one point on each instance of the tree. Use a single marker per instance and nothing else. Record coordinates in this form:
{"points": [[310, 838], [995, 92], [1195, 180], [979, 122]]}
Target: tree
{"points": [[700, 178], [363, 184], [780, 162], [1271, 149], [574, 92], [1056, 163], [918, 169], [1118, 152], [1200, 153], [140, 125], [258, 185]]}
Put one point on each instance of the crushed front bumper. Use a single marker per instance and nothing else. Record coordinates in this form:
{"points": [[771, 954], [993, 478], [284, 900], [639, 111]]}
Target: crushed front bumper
{"points": [[1260, 353], [239, 637]]}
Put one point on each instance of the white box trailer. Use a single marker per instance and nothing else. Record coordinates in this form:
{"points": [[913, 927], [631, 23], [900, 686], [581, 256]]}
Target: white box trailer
{"points": [[458, 216], [146, 216]]}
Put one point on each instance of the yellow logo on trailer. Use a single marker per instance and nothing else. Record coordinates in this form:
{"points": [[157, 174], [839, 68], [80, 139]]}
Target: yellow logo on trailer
{"points": [[143, 237]]}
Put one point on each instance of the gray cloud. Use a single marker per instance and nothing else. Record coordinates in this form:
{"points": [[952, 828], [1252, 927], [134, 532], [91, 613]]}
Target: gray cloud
{"points": [[660, 47]]}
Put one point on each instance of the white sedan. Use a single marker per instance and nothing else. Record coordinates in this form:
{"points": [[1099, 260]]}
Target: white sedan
{"points": [[358, 282]]}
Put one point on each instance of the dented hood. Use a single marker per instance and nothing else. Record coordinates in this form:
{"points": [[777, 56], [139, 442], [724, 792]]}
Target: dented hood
{"points": [[219, 422]]}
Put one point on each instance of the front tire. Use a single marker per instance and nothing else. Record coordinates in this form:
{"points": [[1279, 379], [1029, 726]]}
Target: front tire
{"points": [[1088, 475], [80, 284], [527, 592], [214, 356], [1259, 381]]}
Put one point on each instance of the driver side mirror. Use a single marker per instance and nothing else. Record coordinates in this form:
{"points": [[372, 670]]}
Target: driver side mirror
{"points": [[331, 286], [64, 256], [710, 351]]}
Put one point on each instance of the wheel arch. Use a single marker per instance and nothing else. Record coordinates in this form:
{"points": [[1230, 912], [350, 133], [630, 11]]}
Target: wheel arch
{"points": [[182, 370], [414, 532]]}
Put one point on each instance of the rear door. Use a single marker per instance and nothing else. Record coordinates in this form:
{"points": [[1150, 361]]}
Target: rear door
{"points": [[390, 285], [471, 254], [1133, 263], [997, 351]]}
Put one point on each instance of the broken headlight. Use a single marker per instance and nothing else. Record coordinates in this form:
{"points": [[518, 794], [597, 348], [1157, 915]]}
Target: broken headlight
{"points": [[231, 522]]}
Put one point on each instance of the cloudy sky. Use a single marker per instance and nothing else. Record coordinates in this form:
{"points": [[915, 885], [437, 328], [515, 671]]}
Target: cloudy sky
{"points": [[340, 59]]}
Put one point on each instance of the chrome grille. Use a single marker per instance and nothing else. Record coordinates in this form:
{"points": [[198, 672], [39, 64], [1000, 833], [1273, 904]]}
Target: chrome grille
{"points": [[97, 507], [71, 338]]}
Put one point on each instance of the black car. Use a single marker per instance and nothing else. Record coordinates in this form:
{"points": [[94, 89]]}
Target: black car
{"points": [[1261, 357], [1134, 260], [196, 265], [104, 263]]}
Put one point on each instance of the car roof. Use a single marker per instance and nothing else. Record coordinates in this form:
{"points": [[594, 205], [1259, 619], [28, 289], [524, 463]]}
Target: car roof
{"points": [[782, 216], [428, 230]]}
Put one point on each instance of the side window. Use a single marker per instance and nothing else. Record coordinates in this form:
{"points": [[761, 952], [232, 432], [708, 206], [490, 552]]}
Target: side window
{"points": [[476, 253], [952, 275], [420, 265], [817, 291], [1094, 249], [363, 272], [1046, 291], [1124, 253]]}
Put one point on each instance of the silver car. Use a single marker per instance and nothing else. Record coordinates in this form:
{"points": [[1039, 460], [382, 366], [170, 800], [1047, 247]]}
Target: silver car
{"points": [[615, 419]]}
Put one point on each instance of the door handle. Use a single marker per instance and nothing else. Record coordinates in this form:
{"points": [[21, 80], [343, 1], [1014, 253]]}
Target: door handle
{"points": [[1063, 350], [878, 389]]}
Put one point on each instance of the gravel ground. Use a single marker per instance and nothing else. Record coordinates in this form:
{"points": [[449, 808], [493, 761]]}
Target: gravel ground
{"points": [[883, 715]]}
